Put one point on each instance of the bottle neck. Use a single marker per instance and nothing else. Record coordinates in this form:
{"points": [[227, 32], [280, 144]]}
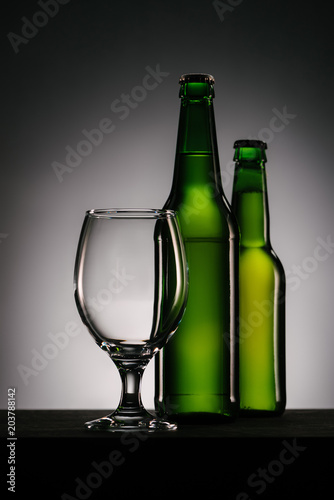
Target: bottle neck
{"points": [[197, 160], [250, 203]]}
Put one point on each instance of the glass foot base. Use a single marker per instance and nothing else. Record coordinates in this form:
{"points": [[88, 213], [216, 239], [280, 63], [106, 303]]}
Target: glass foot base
{"points": [[127, 421]]}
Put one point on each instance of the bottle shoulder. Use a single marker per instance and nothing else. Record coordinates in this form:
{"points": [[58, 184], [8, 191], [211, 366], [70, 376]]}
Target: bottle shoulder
{"points": [[262, 255], [202, 214]]}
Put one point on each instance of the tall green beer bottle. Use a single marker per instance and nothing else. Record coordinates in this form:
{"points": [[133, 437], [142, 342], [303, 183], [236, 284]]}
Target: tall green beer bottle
{"points": [[262, 289], [196, 372]]}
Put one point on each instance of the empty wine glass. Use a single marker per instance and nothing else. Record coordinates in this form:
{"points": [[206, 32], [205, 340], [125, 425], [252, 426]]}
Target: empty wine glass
{"points": [[131, 285]]}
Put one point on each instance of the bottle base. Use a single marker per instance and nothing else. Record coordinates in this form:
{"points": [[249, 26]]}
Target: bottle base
{"points": [[199, 409], [253, 413], [202, 418]]}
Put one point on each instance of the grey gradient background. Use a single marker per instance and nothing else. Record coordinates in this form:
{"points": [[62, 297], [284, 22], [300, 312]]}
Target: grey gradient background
{"points": [[264, 56]]}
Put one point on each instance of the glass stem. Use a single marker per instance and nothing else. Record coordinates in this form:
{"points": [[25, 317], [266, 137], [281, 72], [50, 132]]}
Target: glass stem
{"points": [[131, 374]]}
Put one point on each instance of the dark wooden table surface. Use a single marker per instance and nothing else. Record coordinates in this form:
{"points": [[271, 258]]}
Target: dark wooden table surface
{"points": [[69, 424], [289, 457]]}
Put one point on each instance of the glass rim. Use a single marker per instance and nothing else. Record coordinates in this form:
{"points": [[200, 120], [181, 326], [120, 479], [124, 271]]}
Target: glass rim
{"points": [[130, 213]]}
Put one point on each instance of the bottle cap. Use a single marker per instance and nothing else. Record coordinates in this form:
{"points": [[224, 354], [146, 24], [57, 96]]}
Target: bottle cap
{"points": [[250, 150], [197, 77], [197, 86], [250, 143]]}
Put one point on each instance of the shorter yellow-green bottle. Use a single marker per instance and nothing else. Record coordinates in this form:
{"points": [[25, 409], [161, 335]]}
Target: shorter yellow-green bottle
{"points": [[261, 289]]}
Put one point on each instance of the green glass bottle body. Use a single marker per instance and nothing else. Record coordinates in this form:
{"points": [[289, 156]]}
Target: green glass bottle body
{"points": [[196, 372], [261, 288]]}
